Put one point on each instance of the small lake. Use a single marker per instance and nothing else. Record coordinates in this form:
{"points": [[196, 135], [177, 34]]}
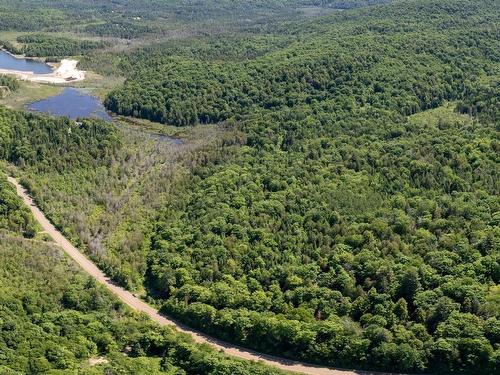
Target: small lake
{"points": [[72, 103], [7, 61]]}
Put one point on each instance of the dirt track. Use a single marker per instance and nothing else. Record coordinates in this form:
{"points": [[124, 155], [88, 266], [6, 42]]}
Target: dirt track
{"points": [[137, 304]]}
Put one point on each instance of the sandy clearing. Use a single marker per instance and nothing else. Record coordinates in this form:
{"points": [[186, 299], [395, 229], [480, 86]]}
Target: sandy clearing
{"points": [[65, 73], [139, 305], [97, 361]]}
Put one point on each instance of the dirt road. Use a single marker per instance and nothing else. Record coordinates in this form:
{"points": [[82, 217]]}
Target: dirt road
{"points": [[137, 304]]}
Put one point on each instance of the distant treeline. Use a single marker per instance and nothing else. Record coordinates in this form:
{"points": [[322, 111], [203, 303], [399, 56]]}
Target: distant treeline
{"points": [[45, 45], [355, 60], [131, 19]]}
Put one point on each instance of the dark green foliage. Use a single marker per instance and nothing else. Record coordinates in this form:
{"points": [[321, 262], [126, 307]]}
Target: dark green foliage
{"points": [[42, 45], [350, 58], [482, 100], [354, 220], [54, 143], [359, 222], [386, 239]]}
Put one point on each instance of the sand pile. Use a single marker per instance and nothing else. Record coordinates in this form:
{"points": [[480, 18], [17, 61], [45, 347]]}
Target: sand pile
{"points": [[66, 72]]}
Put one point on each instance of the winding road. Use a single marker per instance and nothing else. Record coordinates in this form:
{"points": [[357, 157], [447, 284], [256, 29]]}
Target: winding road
{"points": [[139, 305]]}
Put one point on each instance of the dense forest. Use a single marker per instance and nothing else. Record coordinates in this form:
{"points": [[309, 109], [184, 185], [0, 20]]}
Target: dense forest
{"points": [[54, 143], [357, 226], [389, 254], [54, 319], [42, 45], [345, 209], [353, 60], [131, 19], [65, 322]]}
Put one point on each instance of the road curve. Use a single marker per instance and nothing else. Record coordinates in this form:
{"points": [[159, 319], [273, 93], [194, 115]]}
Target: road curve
{"points": [[139, 305]]}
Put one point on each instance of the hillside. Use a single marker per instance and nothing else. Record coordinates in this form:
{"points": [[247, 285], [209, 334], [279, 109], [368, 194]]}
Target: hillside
{"points": [[333, 196], [405, 57], [56, 319], [356, 227]]}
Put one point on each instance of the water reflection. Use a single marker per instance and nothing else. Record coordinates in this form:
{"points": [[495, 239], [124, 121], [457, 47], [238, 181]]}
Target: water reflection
{"points": [[73, 103]]}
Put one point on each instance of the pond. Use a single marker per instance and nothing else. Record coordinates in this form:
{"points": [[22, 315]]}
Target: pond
{"points": [[7, 61], [73, 103]]}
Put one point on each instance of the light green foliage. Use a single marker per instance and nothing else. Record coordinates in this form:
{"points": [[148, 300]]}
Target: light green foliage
{"points": [[14, 215], [107, 206], [55, 319], [350, 218], [342, 206]]}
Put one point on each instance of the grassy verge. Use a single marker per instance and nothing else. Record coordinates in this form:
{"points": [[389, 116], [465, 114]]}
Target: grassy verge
{"points": [[29, 92]]}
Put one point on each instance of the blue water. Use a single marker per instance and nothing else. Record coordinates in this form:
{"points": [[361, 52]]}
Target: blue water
{"points": [[76, 103], [8, 61], [72, 103]]}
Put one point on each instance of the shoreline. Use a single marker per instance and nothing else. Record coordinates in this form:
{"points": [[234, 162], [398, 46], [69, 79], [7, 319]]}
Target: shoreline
{"points": [[32, 58], [64, 72], [67, 72]]}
